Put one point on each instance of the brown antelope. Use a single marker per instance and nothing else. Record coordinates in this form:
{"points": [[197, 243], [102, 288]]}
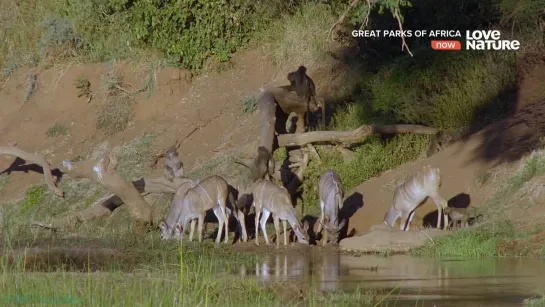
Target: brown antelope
{"points": [[237, 205], [331, 193], [271, 198], [410, 194], [209, 193]]}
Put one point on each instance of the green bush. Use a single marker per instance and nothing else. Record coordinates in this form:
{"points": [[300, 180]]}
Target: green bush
{"points": [[191, 31], [185, 32], [442, 91]]}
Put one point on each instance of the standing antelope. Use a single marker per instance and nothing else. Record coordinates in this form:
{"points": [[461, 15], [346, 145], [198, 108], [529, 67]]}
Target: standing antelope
{"points": [[331, 193], [271, 198], [409, 195], [209, 193], [237, 205]]}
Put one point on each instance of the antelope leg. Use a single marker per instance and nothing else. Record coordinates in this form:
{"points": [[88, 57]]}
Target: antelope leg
{"points": [[219, 216], [404, 222], [276, 222], [226, 221], [409, 220], [257, 214], [242, 222], [200, 227], [325, 237], [445, 216], [438, 217], [285, 235], [321, 217], [192, 229], [226, 215], [264, 219]]}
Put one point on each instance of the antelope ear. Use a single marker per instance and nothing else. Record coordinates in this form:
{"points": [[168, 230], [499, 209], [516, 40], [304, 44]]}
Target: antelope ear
{"points": [[163, 225], [179, 227]]}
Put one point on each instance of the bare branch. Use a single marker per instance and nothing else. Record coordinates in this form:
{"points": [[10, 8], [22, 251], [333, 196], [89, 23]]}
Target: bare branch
{"points": [[300, 139], [37, 159], [403, 43], [366, 20], [343, 16]]}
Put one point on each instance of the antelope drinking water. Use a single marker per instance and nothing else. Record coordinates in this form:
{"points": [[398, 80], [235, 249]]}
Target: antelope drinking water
{"points": [[271, 198], [331, 193], [209, 193]]}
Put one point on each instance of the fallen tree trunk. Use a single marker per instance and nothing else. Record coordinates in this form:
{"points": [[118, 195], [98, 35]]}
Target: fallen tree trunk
{"points": [[37, 159], [300, 139], [105, 205], [103, 172]]}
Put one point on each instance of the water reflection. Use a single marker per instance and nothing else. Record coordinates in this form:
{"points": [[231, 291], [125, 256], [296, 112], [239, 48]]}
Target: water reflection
{"points": [[453, 282], [323, 270]]}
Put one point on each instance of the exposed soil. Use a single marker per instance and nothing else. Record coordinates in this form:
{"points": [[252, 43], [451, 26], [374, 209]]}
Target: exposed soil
{"points": [[462, 163], [204, 113]]}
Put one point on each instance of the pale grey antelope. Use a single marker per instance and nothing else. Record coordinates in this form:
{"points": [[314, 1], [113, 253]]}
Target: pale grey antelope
{"points": [[271, 198], [410, 194], [331, 193], [167, 226], [209, 193]]}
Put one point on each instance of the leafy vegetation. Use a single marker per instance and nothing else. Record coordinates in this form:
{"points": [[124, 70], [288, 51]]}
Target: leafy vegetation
{"points": [[249, 105]]}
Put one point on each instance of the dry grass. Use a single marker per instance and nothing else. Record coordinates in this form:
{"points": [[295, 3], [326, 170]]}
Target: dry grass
{"points": [[57, 130], [115, 115], [300, 38]]}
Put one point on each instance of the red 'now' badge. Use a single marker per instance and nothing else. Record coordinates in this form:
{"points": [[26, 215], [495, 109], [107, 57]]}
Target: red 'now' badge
{"points": [[446, 45]]}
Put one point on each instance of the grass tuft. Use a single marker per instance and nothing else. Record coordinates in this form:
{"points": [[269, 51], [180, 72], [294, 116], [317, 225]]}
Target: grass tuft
{"points": [[4, 180], [249, 105], [300, 38], [115, 115], [135, 157], [535, 302], [56, 130]]}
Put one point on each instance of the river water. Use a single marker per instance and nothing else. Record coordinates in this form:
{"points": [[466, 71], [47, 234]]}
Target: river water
{"points": [[415, 281]]}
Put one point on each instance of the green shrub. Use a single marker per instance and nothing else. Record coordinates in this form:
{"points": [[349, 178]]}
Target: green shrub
{"points": [[442, 91], [372, 158]]}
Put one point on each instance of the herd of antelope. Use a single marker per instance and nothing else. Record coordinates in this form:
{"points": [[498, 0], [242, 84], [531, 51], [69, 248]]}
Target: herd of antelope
{"points": [[195, 197]]}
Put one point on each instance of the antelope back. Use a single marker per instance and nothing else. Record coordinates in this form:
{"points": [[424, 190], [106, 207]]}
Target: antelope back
{"points": [[271, 196], [208, 192], [331, 189], [416, 188]]}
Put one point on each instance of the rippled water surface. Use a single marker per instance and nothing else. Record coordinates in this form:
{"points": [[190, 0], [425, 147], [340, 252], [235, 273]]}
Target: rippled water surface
{"points": [[414, 280]]}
